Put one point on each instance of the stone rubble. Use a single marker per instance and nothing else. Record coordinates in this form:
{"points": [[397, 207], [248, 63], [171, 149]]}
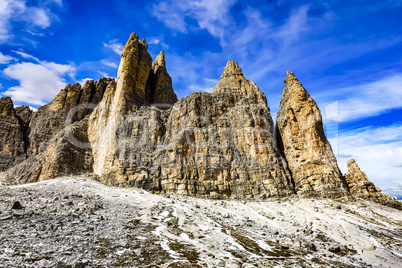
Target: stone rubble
{"points": [[79, 222]]}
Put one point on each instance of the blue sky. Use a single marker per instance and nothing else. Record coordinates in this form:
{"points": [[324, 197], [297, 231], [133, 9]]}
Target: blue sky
{"points": [[347, 54]]}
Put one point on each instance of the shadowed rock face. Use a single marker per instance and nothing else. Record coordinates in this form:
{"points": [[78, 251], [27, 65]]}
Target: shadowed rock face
{"points": [[161, 83], [309, 155], [53, 136], [12, 149]]}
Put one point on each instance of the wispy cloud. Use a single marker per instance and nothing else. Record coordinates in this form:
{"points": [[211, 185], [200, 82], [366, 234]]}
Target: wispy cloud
{"points": [[212, 15], [39, 16], [115, 46], [394, 190], [26, 55], [109, 64], [366, 100]]}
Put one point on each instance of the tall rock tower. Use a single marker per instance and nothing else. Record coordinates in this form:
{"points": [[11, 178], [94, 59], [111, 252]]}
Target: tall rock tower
{"points": [[124, 123], [309, 154]]}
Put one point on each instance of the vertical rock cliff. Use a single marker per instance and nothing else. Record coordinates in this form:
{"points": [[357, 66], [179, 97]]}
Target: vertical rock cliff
{"points": [[161, 83], [309, 155], [215, 145], [222, 144], [134, 132], [12, 146], [55, 137], [124, 115]]}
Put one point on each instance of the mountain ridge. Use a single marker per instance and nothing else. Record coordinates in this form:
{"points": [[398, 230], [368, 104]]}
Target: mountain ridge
{"points": [[135, 132]]}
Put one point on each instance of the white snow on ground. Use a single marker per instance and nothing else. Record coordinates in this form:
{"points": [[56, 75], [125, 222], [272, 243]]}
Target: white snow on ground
{"points": [[263, 233]]}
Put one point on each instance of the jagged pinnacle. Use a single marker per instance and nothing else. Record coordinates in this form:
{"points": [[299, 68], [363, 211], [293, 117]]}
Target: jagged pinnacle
{"points": [[290, 74], [292, 82], [159, 61], [232, 68], [133, 37]]}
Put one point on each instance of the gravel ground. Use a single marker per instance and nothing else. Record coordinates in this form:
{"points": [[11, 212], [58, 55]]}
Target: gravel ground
{"points": [[79, 222]]}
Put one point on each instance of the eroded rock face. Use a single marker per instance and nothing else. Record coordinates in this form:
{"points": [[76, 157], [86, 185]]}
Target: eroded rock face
{"points": [[162, 83], [55, 137], [218, 144], [134, 132], [360, 186], [12, 146], [309, 155]]}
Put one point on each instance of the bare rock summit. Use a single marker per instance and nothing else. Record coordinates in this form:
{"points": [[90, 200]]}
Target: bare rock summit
{"points": [[309, 154], [361, 187]]}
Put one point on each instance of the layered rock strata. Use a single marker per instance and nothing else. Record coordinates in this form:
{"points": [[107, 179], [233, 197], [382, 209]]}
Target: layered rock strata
{"points": [[134, 132], [308, 153], [54, 138], [12, 146], [218, 144], [361, 187]]}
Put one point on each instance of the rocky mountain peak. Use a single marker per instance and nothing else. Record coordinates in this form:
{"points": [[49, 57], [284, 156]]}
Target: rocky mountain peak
{"points": [[161, 91], [6, 106], [360, 186], [309, 154], [235, 86], [232, 69], [290, 74], [159, 61], [357, 180], [221, 144]]}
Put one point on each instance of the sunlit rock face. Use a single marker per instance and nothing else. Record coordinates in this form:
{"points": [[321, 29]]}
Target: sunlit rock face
{"points": [[134, 132], [309, 155], [222, 144], [361, 187], [218, 144]]}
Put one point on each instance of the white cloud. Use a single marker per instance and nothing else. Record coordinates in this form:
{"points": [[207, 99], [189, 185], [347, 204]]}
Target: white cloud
{"points": [[109, 64], [103, 74], [34, 33], [395, 190], [212, 15], [366, 100], [37, 16], [115, 46], [4, 59], [26, 55], [378, 152], [39, 82], [153, 41], [17, 10], [200, 88], [293, 27], [206, 85]]}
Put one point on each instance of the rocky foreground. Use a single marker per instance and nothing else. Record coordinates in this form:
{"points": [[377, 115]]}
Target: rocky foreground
{"points": [[79, 222]]}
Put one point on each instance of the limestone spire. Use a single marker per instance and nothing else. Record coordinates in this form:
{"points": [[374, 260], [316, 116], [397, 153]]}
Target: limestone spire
{"points": [[309, 154], [162, 89], [159, 61], [232, 68]]}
